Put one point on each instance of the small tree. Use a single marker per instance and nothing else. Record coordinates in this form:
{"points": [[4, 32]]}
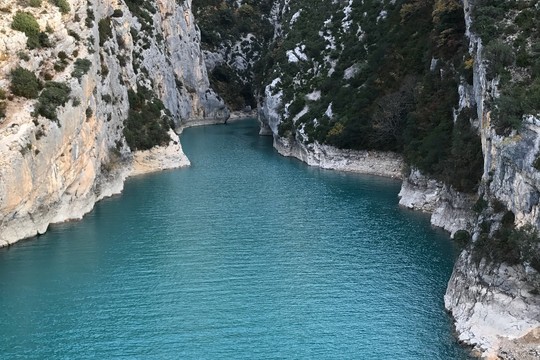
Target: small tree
{"points": [[28, 24], [54, 95], [63, 5], [24, 83], [105, 30], [500, 55], [81, 67]]}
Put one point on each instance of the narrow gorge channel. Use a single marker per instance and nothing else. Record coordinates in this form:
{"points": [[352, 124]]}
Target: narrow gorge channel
{"points": [[245, 254]]}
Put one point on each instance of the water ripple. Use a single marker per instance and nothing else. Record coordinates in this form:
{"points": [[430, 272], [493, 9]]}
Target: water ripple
{"points": [[245, 255]]}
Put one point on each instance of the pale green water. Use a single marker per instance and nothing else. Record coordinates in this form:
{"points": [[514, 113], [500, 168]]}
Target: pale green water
{"points": [[245, 255]]}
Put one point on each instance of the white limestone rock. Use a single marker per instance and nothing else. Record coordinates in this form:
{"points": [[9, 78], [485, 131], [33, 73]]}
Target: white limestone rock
{"points": [[160, 157], [492, 304], [379, 163], [449, 209]]}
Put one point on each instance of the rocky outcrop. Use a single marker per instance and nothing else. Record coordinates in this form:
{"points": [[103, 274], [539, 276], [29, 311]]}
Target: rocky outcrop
{"points": [[268, 112], [512, 177], [328, 157], [449, 209], [52, 171], [495, 307], [160, 157]]}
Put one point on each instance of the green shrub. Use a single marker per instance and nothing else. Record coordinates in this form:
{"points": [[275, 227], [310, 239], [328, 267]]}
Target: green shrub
{"points": [[146, 125], [82, 66], [63, 56], [465, 163], [23, 56], [498, 206], [509, 245], [27, 23], [500, 55], [24, 83], [54, 94], [105, 30], [60, 66], [480, 205], [89, 21], [536, 163], [462, 237], [63, 5], [117, 13], [3, 109], [74, 35], [44, 40], [507, 114]]}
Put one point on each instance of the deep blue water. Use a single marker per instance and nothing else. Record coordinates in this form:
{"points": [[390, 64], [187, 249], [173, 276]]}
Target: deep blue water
{"points": [[244, 255]]}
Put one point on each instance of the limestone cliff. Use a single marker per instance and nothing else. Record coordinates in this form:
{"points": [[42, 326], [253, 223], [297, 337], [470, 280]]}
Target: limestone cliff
{"points": [[55, 170], [496, 305]]}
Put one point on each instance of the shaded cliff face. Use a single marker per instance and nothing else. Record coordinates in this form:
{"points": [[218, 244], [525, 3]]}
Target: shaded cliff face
{"points": [[494, 291], [376, 75], [57, 161], [235, 36]]}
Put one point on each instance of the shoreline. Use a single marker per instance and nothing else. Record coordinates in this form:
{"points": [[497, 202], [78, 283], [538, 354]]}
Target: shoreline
{"points": [[140, 162], [378, 163]]}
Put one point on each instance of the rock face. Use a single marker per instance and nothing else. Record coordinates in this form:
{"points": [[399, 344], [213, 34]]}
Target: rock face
{"points": [[496, 307], [328, 157], [52, 171], [160, 157], [493, 303], [451, 210]]}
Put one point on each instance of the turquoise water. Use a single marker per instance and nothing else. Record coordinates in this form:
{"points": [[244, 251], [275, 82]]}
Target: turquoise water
{"points": [[244, 255]]}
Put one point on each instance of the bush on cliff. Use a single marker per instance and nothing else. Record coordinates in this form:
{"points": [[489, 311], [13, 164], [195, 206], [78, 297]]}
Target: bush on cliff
{"points": [[3, 108], [147, 124], [105, 30], [27, 23], [24, 83], [81, 67], [63, 5], [54, 94]]}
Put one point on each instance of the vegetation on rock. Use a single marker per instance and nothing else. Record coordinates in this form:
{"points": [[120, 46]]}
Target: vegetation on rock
{"points": [[246, 30], [148, 123], [63, 5], [375, 75], [105, 30], [81, 67], [54, 94], [510, 33], [27, 23], [24, 83]]}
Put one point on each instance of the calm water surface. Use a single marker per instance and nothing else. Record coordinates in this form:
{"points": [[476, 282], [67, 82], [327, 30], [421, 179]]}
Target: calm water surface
{"points": [[244, 255]]}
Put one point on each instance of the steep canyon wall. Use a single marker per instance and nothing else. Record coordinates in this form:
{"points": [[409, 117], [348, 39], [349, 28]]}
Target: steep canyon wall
{"points": [[55, 170]]}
